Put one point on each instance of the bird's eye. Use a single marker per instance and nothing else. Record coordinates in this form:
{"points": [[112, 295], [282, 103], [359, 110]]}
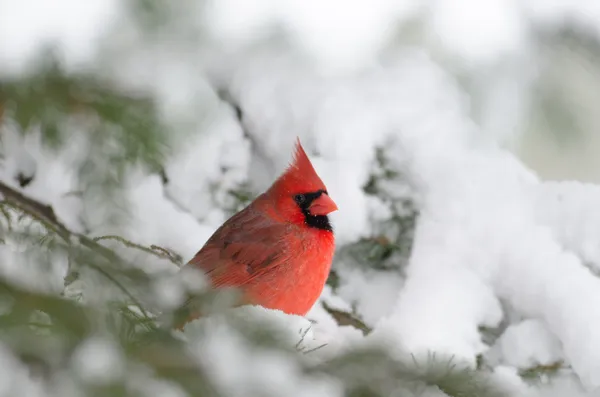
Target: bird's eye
{"points": [[300, 198]]}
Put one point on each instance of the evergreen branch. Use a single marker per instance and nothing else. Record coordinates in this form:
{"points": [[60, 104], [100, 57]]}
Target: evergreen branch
{"points": [[303, 349], [387, 373], [153, 249], [540, 370], [121, 287], [173, 256], [41, 212], [7, 216], [65, 312], [302, 337], [46, 216]]}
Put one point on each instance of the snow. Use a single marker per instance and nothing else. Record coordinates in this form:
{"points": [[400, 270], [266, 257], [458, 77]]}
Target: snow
{"points": [[478, 239], [323, 29], [566, 208], [293, 329], [526, 345], [68, 24], [223, 166], [374, 293], [494, 246], [53, 180], [98, 361], [240, 367], [480, 31], [15, 379], [151, 218]]}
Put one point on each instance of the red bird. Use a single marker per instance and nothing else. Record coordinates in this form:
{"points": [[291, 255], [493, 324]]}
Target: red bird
{"points": [[278, 250]]}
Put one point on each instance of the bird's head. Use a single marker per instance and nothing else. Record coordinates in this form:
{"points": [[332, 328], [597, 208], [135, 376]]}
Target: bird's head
{"points": [[300, 195]]}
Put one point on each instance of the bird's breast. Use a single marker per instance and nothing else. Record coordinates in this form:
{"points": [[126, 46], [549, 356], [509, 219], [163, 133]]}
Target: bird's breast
{"points": [[295, 285]]}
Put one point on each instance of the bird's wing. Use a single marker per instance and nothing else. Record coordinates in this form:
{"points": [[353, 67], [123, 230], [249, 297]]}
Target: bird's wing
{"points": [[246, 246]]}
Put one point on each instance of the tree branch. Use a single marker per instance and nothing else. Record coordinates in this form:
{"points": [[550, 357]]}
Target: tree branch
{"points": [[155, 250], [45, 215], [42, 212]]}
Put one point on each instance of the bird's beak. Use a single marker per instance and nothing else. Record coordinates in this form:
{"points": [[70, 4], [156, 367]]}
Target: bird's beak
{"points": [[322, 205]]}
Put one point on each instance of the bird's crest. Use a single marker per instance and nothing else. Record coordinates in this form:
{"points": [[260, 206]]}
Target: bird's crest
{"points": [[300, 174]]}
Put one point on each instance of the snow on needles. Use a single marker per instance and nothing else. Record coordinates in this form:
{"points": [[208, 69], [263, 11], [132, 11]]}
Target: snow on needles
{"points": [[240, 368], [488, 231], [492, 242], [480, 238]]}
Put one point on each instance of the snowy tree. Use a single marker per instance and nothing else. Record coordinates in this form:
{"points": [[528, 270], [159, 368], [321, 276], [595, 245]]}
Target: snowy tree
{"points": [[126, 140]]}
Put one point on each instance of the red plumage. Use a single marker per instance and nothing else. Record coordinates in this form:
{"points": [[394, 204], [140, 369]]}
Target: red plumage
{"points": [[278, 250]]}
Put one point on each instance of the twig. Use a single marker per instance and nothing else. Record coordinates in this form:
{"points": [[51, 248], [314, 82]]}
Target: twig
{"points": [[314, 349], [153, 249], [302, 349], [173, 256], [44, 213], [7, 216], [543, 369], [303, 336]]}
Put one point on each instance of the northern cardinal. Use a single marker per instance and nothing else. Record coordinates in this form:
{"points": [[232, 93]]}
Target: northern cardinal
{"points": [[278, 250]]}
